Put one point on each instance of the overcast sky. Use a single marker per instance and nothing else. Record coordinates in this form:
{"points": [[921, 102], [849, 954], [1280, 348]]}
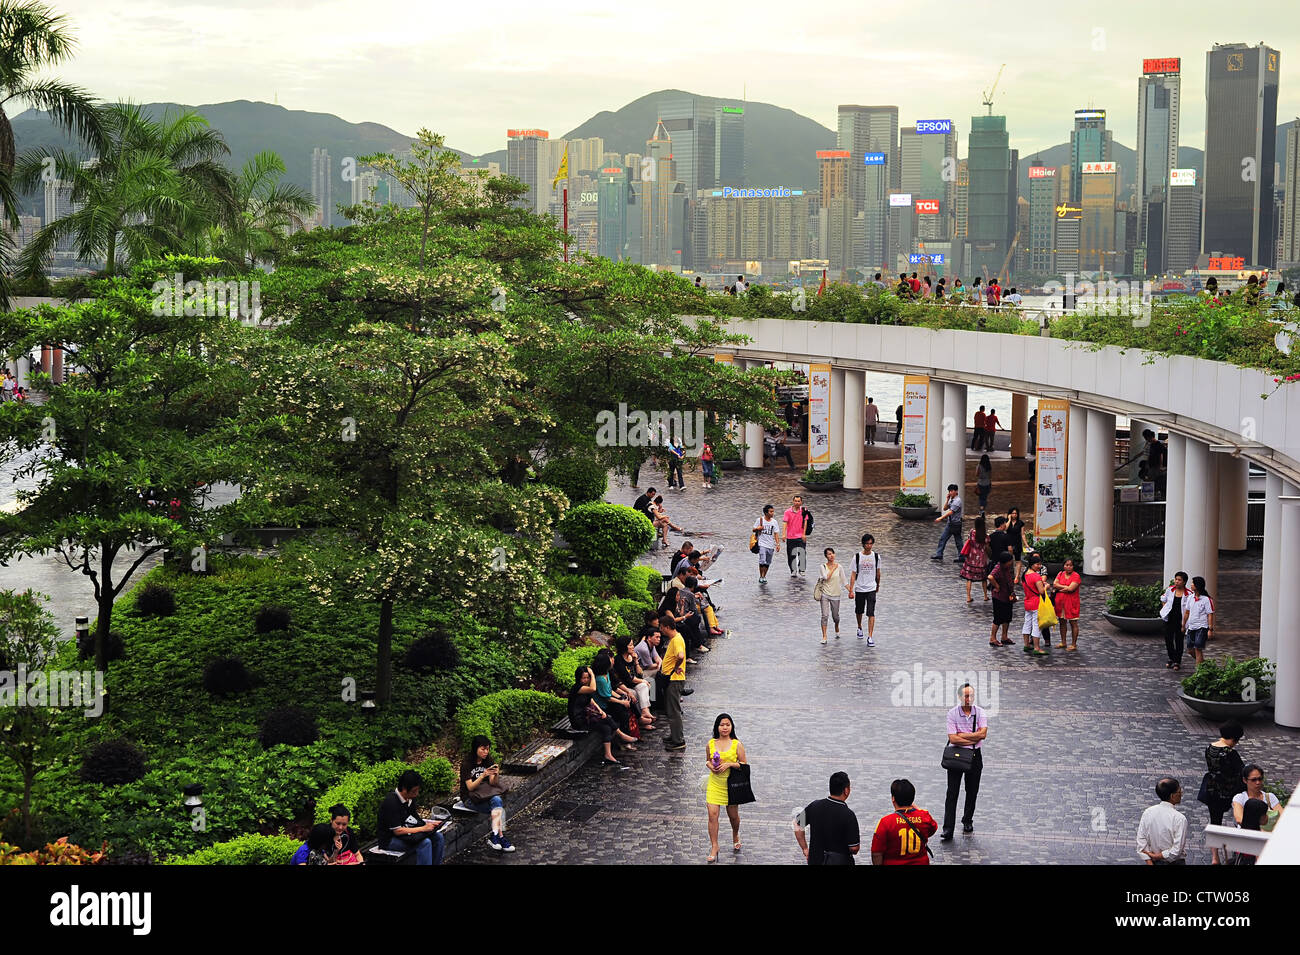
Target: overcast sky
{"points": [[470, 70]]}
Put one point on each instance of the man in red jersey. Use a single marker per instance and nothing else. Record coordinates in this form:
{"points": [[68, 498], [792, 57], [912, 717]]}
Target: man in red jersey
{"points": [[901, 836]]}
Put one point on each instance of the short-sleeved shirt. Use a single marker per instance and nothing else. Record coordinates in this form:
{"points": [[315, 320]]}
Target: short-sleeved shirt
{"points": [[865, 566], [766, 532], [959, 721], [603, 690], [394, 813], [1032, 581], [646, 654], [895, 840], [834, 829], [979, 420], [998, 542], [991, 423], [955, 506], [794, 523], [674, 659], [873, 413], [1266, 797], [1198, 610]]}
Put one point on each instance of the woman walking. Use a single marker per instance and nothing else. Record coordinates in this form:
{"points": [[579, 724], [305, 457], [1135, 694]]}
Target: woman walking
{"points": [[1198, 619], [706, 466], [984, 481], [1172, 610], [1016, 538], [1066, 588], [830, 588], [722, 754], [1003, 582], [975, 559]]}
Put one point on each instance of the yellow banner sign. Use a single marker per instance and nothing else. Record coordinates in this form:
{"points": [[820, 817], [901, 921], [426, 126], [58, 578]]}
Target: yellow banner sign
{"points": [[1049, 467], [916, 399]]}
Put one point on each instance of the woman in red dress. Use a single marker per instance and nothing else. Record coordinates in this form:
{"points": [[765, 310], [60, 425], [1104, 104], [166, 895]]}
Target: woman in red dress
{"points": [[1066, 590]]}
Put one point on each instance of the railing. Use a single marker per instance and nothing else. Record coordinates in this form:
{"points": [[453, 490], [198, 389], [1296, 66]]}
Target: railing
{"points": [[1142, 523]]}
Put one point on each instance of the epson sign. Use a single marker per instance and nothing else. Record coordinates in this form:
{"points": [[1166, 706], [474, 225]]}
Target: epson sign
{"points": [[934, 126]]}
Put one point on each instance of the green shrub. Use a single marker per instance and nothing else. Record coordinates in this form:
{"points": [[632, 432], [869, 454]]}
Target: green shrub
{"points": [[432, 652], [290, 725], [245, 850], [362, 791], [1231, 681], [827, 476], [904, 499], [113, 762], [1127, 600], [640, 583], [226, 675], [631, 614], [581, 480], [272, 618], [1056, 550], [155, 600], [568, 661], [508, 717], [607, 538]]}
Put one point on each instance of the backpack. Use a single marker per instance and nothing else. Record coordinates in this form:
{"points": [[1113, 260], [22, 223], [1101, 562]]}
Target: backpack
{"points": [[807, 522], [874, 554]]}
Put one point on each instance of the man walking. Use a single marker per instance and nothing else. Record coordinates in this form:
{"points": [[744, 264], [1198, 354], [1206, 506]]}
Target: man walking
{"points": [[951, 520], [900, 837], [835, 839], [674, 668], [797, 524], [1162, 831], [991, 424], [873, 416], [977, 439], [769, 541], [864, 584], [967, 728]]}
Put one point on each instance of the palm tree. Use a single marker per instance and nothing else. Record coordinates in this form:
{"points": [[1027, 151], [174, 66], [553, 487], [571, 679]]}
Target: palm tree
{"points": [[266, 210], [155, 182]]}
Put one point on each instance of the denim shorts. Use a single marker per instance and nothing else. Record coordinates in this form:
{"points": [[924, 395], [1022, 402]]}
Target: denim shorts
{"points": [[1196, 638], [765, 556]]}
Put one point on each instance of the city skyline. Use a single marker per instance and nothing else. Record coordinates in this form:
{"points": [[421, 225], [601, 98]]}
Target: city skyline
{"points": [[515, 69]]}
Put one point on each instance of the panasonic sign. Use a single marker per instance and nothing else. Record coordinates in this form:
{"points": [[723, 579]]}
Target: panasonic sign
{"points": [[934, 126], [780, 192]]}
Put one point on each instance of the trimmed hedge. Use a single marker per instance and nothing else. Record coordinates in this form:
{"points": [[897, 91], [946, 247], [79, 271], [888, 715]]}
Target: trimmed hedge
{"points": [[568, 661], [607, 538], [631, 614], [508, 717], [364, 790], [581, 480], [244, 850], [641, 583]]}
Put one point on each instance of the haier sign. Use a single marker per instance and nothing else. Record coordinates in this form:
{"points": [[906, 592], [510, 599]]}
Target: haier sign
{"points": [[874, 159], [934, 126]]}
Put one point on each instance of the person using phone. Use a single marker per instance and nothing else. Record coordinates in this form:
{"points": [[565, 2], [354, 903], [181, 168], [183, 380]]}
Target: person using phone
{"points": [[481, 789]]}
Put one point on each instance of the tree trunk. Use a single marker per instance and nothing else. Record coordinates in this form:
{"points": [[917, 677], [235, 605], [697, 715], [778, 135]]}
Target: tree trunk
{"points": [[6, 145], [29, 781], [112, 256], [104, 621], [384, 668]]}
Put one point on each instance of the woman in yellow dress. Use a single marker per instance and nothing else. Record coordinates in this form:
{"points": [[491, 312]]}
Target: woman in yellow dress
{"points": [[723, 752]]}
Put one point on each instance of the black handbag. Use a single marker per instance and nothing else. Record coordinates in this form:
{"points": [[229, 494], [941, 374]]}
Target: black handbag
{"points": [[739, 792], [960, 757]]}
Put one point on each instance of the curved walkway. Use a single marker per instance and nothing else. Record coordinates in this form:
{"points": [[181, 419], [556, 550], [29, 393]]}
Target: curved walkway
{"points": [[1075, 745]]}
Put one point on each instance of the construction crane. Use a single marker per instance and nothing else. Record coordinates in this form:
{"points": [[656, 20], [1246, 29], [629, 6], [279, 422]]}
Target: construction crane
{"points": [[1002, 272], [988, 96]]}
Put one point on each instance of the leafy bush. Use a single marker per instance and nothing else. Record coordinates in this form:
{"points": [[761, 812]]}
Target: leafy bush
{"points": [[432, 652], [631, 615], [60, 852], [1056, 550], [1127, 600], [581, 480], [904, 499], [508, 717], [114, 649], [244, 850], [362, 791], [113, 763], [290, 725], [226, 675], [640, 583], [272, 618], [155, 600], [568, 661], [1231, 681], [829, 476], [607, 538]]}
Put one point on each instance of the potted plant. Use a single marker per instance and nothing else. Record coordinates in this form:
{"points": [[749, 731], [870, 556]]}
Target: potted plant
{"points": [[1228, 689], [1135, 609], [728, 454], [830, 479], [912, 506], [1056, 550]]}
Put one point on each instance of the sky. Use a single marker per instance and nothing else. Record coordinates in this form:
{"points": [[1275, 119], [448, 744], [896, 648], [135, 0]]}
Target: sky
{"points": [[470, 70]]}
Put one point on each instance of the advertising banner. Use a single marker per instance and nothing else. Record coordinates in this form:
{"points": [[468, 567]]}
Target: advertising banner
{"points": [[916, 395], [1049, 467], [819, 416]]}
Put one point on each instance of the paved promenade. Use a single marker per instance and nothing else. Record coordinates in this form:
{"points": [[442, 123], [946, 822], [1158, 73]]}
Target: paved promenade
{"points": [[1076, 740]]}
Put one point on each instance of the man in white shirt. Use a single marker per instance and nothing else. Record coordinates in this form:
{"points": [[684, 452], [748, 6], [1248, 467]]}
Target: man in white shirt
{"points": [[1162, 831], [864, 584]]}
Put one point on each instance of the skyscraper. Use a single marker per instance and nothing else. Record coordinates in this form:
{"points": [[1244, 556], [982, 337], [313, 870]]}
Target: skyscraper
{"points": [[1291, 199], [662, 203], [728, 146], [611, 214], [527, 156], [322, 185], [961, 204], [1044, 197], [924, 154], [1099, 246], [1090, 141], [870, 133], [1182, 226], [1240, 133], [991, 207], [690, 126], [1157, 151]]}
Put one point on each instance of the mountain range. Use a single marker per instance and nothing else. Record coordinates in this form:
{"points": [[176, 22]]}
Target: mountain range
{"points": [[780, 144]]}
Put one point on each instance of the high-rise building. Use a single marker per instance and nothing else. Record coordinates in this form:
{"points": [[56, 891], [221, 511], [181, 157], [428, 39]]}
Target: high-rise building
{"points": [[690, 126], [902, 229], [1159, 90], [834, 166], [1022, 230], [1291, 199], [527, 157], [322, 185], [1044, 197], [1013, 207], [1100, 249], [992, 196], [662, 200], [586, 155], [59, 205], [927, 158], [1067, 240], [755, 228], [1182, 226], [1240, 132], [961, 203], [870, 133], [1090, 141], [364, 186], [728, 146], [611, 203]]}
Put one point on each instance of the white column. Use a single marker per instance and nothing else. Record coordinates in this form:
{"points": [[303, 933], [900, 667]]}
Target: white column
{"points": [[1135, 444], [934, 483], [1174, 513], [1099, 495], [837, 414], [954, 450], [753, 432], [1286, 693], [1271, 576], [855, 397], [1211, 571], [1234, 488], [1200, 513], [1076, 459]]}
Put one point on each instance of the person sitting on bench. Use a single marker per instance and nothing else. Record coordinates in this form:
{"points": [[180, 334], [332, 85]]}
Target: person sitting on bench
{"points": [[402, 829], [481, 789]]}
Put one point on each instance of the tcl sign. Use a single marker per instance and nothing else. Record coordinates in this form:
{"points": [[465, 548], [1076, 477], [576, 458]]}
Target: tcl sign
{"points": [[1164, 64], [927, 207], [1042, 172]]}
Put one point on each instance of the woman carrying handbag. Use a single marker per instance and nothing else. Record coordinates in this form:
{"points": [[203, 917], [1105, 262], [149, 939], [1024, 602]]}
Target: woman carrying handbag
{"points": [[722, 754]]}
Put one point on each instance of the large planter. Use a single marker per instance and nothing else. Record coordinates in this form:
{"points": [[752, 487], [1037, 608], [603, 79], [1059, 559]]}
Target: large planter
{"points": [[822, 485], [1139, 625], [734, 464], [1223, 710], [913, 513]]}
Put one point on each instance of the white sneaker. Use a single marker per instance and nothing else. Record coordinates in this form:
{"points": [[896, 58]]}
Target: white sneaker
{"points": [[859, 634], [870, 642], [793, 574]]}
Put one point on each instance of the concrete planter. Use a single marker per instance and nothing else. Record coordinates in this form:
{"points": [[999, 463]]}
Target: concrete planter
{"points": [[735, 464], [1223, 710], [913, 513], [822, 486], [1139, 625]]}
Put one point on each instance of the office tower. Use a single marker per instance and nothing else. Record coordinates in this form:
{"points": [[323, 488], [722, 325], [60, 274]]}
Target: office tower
{"points": [[902, 229], [1159, 89], [611, 211], [1099, 247], [870, 133], [1022, 229], [834, 166], [662, 203], [1090, 141], [1044, 197], [610, 160], [1240, 133], [991, 203], [728, 146], [1013, 207], [961, 202], [364, 186], [322, 185], [923, 149], [837, 212], [690, 127], [1291, 199], [59, 205], [527, 156], [1182, 225]]}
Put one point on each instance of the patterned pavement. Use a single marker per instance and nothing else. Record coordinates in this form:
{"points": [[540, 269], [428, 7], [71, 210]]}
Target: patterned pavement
{"points": [[1076, 740]]}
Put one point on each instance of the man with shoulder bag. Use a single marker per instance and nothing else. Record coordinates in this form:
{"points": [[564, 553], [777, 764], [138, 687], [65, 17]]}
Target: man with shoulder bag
{"points": [[967, 729]]}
